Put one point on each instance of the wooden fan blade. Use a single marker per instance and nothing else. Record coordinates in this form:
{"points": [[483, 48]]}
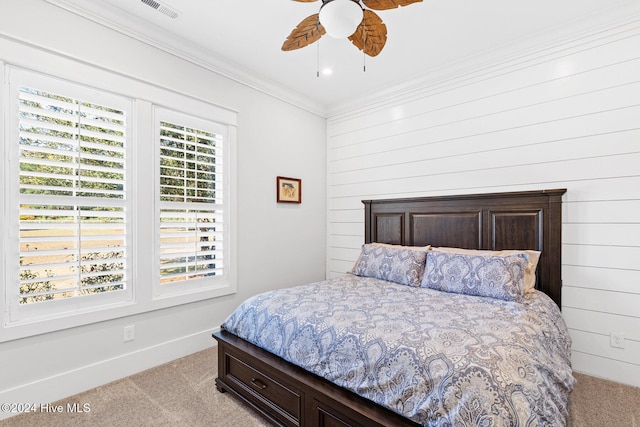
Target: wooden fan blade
{"points": [[307, 32], [371, 35], [387, 4]]}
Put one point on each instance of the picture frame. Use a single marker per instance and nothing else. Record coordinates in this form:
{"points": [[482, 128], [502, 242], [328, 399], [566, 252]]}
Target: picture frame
{"points": [[288, 190]]}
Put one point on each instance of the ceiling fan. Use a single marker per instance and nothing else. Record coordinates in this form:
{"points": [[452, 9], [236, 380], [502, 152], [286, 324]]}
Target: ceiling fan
{"points": [[345, 18]]}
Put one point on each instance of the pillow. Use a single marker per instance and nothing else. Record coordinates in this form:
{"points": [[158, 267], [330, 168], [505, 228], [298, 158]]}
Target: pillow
{"points": [[529, 274], [393, 263], [495, 276]]}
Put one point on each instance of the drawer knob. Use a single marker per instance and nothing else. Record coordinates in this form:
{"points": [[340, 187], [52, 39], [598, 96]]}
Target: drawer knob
{"points": [[259, 384]]}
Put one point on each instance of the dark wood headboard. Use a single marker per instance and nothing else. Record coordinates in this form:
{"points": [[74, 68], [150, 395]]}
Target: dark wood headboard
{"points": [[495, 221]]}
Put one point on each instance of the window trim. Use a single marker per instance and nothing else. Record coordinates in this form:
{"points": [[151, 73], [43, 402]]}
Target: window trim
{"points": [[206, 285], [16, 313], [142, 93]]}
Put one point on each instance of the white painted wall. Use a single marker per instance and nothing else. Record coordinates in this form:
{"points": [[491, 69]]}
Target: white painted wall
{"points": [[564, 114], [278, 245]]}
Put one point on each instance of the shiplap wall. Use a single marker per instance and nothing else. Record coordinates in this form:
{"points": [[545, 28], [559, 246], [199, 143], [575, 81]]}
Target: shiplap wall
{"points": [[563, 115]]}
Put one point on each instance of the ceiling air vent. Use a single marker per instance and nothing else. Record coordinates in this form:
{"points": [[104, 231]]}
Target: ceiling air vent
{"points": [[161, 8]]}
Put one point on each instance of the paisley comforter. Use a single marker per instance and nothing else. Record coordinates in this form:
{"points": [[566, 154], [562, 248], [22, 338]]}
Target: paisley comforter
{"points": [[438, 358]]}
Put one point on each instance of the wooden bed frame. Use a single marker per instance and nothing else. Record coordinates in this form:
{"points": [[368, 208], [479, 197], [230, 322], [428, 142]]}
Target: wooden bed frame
{"points": [[290, 396]]}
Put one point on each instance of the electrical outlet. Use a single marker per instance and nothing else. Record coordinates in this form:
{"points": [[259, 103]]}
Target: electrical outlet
{"points": [[129, 333], [617, 339]]}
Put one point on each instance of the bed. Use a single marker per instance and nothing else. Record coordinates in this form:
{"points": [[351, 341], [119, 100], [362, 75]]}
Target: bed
{"points": [[421, 339]]}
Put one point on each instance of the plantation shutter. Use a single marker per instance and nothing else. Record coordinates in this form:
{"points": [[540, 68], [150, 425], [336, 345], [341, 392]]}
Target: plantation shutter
{"points": [[72, 194], [191, 199]]}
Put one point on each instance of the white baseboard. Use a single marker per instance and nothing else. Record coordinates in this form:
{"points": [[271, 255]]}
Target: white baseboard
{"points": [[51, 389]]}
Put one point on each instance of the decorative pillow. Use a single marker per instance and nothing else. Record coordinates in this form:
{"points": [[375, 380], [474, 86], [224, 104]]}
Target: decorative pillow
{"points": [[393, 263], [529, 274], [495, 276]]}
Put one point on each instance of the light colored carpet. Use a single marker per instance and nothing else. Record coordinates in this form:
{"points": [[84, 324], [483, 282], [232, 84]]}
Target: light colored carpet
{"points": [[595, 402], [183, 393], [179, 393]]}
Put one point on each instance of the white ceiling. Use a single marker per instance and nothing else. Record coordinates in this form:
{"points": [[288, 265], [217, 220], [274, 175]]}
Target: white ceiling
{"points": [[242, 39]]}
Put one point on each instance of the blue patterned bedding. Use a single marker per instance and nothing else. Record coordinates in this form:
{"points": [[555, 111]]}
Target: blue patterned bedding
{"points": [[438, 358]]}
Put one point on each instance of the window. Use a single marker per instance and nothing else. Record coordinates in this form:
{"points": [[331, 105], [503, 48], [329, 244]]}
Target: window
{"points": [[72, 216], [191, 191], [114, 205], [72, 197]]}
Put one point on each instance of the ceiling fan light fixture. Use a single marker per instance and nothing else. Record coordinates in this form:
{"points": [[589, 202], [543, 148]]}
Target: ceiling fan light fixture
{"points": [[340, 18]]}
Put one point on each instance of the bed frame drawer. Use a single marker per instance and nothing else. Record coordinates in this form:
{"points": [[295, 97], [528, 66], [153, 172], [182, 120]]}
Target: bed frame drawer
{"points": [[333, 416], [276, 399], [265, 387]]}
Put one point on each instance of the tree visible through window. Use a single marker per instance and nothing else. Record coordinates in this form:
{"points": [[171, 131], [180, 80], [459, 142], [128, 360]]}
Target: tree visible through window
{"points": [[191, 197], [72, 174]]}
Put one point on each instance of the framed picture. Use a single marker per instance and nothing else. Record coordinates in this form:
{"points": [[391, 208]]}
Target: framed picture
{"points": [[289, 190]]}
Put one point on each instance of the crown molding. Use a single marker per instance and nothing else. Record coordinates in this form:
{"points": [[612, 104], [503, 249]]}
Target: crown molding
{"points": [[113, 18], [540, 47], [452, 74]]}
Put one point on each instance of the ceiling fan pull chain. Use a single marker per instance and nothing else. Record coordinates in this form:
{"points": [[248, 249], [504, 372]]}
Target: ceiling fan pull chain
{"points": [[364, 55]]}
